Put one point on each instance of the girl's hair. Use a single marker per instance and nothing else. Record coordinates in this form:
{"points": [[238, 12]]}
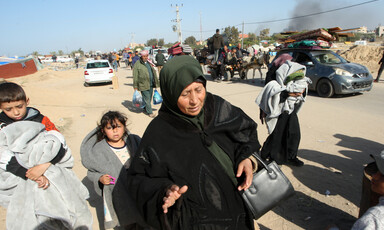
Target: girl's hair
{"points": [[109, 118]]}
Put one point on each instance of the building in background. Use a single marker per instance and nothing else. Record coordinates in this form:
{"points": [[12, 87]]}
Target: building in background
{"points": [[380, 31]]}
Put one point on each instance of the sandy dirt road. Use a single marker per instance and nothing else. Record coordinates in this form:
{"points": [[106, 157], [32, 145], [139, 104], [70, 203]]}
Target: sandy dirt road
{"points": [[338, 134]]}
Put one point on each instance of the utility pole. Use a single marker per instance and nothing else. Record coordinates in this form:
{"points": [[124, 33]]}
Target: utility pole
{"points": [[178, 20], [132, 38], [242, 37], [201, 31]]}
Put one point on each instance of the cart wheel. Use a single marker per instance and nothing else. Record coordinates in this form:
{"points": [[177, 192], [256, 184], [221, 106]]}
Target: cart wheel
{"points": [[242, 74]]}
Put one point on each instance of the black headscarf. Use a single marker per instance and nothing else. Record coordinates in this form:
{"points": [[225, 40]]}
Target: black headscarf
{"points": [[177, 74]]}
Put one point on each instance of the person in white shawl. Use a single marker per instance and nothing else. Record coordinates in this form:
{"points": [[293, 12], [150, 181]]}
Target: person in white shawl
{"points": [[280, 100], [62, 205]]}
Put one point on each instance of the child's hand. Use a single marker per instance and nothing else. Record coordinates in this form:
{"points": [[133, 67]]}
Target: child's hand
{"points": [[42, 182], [37, 171], [105, 179]]}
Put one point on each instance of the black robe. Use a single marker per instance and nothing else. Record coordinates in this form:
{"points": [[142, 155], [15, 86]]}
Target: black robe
{"points": [[173, 151], [283, 143]]}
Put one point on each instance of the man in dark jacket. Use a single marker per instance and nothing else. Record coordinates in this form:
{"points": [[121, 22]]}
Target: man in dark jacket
{"points": [[218, 43], [135, 58], [239, 52], [160, 60]]}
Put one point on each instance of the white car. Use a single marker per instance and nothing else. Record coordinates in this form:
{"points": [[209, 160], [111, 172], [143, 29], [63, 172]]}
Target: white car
{"points": [[46, 60], [153, 52], [98, 71], [64, 59]]}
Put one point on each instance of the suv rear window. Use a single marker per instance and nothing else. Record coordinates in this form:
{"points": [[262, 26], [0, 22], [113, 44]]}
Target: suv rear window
{"points": [[97, 65]]}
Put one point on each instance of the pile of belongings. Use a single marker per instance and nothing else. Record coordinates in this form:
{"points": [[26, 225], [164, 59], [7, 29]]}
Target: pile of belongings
{"points": [[179, 49], [314, 39]]}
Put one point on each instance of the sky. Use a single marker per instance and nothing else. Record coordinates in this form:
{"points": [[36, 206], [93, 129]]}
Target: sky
{"points": [[52, 25]]}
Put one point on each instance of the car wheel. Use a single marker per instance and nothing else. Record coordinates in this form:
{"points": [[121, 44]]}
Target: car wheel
{"points": [[324, 88], [86, 84]]}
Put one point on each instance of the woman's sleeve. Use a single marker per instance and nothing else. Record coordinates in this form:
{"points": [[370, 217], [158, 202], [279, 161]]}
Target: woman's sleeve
{"points": [[147, 182]]}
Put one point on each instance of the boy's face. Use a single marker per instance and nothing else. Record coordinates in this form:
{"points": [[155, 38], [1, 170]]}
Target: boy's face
{"points": [[16, 110], [377, 183]]}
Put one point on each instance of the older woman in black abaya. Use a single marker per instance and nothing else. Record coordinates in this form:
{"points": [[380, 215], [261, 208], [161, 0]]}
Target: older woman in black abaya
{"points": [[194, 156]]}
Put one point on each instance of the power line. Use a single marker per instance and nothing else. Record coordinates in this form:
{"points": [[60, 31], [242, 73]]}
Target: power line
{"points": [[296, 17], [308, 15]]}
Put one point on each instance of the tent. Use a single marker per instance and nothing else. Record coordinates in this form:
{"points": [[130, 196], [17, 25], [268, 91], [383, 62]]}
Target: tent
{"points": [[11, 67]]}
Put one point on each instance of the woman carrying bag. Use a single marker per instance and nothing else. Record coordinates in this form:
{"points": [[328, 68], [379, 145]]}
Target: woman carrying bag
{"points": [[194, 157]]}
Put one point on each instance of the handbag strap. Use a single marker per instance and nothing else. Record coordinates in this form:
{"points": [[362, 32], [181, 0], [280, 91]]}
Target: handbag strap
{"points": [[261, 161]]}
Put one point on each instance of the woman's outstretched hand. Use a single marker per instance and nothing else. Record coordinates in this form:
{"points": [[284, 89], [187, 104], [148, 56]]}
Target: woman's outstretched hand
{"points": [[172, 195], [245, 167]]}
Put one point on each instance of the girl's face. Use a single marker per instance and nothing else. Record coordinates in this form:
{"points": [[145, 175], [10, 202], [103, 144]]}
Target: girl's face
{"points": [[114, 133]]}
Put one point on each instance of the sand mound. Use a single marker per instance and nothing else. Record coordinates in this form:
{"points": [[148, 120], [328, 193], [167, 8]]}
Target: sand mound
{"points": [[368, 56]]}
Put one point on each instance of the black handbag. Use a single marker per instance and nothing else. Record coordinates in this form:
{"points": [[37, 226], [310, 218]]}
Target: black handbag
{"points": [[269, 187]]}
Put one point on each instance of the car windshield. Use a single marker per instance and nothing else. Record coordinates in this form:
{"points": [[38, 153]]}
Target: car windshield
{"points": [[328, 58], [97, 65]]}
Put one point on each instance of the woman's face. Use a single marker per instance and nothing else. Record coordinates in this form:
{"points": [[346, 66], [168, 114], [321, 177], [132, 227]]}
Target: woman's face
{"points": [[191, 99], [116, 133]]}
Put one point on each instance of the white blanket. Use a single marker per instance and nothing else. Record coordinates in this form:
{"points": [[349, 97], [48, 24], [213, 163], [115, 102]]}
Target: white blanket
{"points": [[269, 98], [30, 207]]}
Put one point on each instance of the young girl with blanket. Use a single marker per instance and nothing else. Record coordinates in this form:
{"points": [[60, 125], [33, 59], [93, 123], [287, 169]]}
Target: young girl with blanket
{"points": [[106, 152]]}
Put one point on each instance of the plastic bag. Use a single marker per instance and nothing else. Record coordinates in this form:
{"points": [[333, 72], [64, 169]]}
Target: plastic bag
{"points": [[137, 100], [157, 99]]}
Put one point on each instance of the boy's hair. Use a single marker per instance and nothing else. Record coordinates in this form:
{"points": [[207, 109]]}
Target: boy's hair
{"points": [[10, 91], [109, 118]]}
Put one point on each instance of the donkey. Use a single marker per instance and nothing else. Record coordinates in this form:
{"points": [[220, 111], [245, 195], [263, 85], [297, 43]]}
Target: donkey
{"points": [[256, 62]]}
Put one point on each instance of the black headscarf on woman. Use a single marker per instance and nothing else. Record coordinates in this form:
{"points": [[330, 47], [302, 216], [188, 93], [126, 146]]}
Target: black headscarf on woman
{"points": [[177, 74]]}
